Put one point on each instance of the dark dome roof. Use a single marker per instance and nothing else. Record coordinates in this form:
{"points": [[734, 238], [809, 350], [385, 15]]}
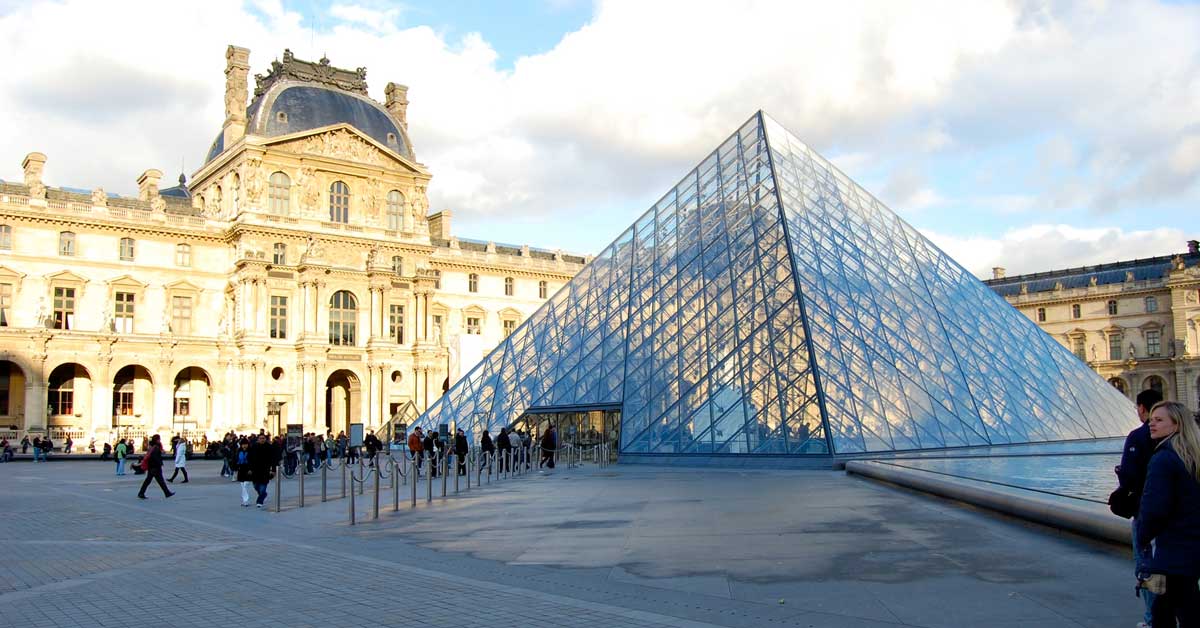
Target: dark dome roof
{"points": [[307, 106]]}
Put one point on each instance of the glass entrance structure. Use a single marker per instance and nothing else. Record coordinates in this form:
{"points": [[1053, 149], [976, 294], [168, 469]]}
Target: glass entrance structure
{"points": [[768, 305]]}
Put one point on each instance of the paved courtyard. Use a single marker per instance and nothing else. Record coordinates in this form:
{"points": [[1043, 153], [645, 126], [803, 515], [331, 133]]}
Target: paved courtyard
{"points": [[620, 546]]}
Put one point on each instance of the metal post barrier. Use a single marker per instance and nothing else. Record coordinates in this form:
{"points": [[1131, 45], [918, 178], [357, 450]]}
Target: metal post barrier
{"points": [[415, 471], [302, 469], [429, 480], [324, 481], [344, 465], [445, 469], [278, 491], [375, 505], [457, 464], [351, 501], [469, 460], [392, 464], [395, 486], [362, 475]]}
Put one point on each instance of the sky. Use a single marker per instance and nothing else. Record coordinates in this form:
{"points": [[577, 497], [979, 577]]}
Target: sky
{"points": [[1030, 135]]}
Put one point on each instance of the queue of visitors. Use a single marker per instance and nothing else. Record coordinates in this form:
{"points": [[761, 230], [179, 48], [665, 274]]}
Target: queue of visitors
{"points": [[1159, 490]]}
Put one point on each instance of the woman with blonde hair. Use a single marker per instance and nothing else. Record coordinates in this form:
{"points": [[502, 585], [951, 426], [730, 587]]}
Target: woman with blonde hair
{"points": [[1169, 519]]}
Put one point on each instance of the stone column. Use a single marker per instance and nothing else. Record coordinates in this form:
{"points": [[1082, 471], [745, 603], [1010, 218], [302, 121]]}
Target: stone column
{"points": [[237, 68], [258, 399]]}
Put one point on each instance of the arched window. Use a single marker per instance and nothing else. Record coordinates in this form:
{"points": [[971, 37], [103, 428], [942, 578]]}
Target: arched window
{"points": [[395, 210], [126, 252], [339, 202], [509, 283], [398, 264], [279, 254], [472, 283], [343, 312], [62, 391], [1155, 383], [1112, 307], [1151, 304], [543, 288], [280, 193], [66, 244], [1119, 384]]}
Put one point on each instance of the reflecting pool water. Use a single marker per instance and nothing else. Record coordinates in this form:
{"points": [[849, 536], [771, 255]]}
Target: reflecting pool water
{"points": [[1085, 475]]}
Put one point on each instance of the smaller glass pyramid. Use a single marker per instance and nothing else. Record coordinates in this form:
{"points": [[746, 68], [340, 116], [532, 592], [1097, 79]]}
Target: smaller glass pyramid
{"points": [[769, 305]]}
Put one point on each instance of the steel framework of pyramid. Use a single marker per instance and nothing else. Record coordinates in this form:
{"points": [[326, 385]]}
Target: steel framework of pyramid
{"points": [[769, 305]]}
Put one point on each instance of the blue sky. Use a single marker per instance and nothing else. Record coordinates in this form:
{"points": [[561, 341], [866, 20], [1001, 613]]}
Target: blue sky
{"points": [[1029, 134]]}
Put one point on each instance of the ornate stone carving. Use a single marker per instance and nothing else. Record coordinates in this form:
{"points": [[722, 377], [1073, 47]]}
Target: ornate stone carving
{"points": [[313, 251], [158, 205], [34, 164], [307, 71], [255, 177], [374, 198], [99, 198], [339, 144], [237, 66], [1178, 262], [310, 189]]}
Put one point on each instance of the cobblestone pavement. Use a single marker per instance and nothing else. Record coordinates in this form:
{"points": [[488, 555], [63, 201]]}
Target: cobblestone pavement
{"points": [[613, 547]]}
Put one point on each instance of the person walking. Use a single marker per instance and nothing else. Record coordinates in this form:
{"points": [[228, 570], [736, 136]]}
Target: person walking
{"points": [[461, 448], [503, 447], [153, 463], [120, 453], [373, 445], [549, 448], [1131, 476], [527, 447], [181, 447], [25, 444], [67, 446], [416, 449], [488, 448], [430, 453], [1169, 517], [262, 461], [244, 477], [47, 448], [6, 450]]}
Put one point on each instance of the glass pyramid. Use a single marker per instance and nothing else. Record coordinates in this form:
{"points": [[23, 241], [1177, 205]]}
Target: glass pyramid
{"points": [[769, 305]]}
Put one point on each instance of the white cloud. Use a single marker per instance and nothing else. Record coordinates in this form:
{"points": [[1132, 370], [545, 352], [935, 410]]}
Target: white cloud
{"points": [[1042, 247], [619, 109]]}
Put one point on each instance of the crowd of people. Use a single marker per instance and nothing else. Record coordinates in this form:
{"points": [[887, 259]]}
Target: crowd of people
{"points": [[1159, 479]]}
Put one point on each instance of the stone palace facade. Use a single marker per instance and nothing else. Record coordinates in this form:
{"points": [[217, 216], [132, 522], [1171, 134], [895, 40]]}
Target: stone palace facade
{"points": [[1136, 323], [297, 278]]}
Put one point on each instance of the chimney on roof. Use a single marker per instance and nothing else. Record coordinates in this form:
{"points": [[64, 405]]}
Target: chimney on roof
{"points": [[397, 103], [33, 165], [997, 272], [148, 184], [237, 68], [1193, 247]]}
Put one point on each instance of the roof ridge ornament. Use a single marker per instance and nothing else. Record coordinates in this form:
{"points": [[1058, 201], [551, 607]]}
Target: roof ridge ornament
{"points": [[311, 72]]}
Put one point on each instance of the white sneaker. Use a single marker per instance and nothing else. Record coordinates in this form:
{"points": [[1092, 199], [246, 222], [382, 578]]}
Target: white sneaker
{"points": [[259, 505]]}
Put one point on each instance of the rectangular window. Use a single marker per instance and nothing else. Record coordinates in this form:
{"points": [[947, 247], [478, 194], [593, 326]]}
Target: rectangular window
{"points": [[183, 255], [123, 403], [127, 249], [6, 300], [181, 315], [396, 323], [542, 292], [1153, 343], [64, 308], [1114, 347], [473, 326], [123, 313], [508, 286], [66, 244], [1112, 308], [6, 237], [1079, 349], [1075, 311], [62, 401], [278, 317], [1041, 314], [509, 327], [1151, 304], [279, 254]]}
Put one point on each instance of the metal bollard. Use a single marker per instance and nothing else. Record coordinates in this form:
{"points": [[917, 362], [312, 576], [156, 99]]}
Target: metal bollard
{"points": [[324, 482], [375, 506], [344, 465], [302, 469], [351, 501], [395, 487], [489, 459], [445, 468], [415, 470], [278, 491], [456, 466], [392, 464], [362, 476], [429, 480]]}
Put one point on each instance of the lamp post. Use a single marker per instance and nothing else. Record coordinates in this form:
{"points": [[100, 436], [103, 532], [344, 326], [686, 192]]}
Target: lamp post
{"points": [[274, 411]]}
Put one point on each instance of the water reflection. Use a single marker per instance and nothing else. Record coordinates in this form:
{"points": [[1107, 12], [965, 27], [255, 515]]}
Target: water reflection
{"points": [[1081, 476]]}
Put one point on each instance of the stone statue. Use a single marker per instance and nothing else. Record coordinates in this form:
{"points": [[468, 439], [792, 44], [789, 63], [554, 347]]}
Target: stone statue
{"points": [[99, 198], [1129, 275], [1093, 281], [42, 316], [313, 251], [1093, 352], [1178, 262], [108, 325], [256, 181], [372, 256], [437, 335], [157, 204], [374, 198], [310, 191]]}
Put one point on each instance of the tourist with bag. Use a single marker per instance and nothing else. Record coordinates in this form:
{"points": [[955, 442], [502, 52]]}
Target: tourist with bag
{"points": [[1169, 518], [263, 460], [244, 477], [1131, 476], [152, 464], [120, 453]]}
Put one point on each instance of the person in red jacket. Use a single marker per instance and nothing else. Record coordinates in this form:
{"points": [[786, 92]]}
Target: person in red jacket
{"points": [[415, 449], [154, 465]]}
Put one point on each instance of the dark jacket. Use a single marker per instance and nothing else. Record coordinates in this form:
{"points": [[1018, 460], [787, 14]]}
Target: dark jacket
{"points": [[460, 444], [261, 460], [154, 460], [428, 446], [1139, 448], [486, 444], [502, 442], [243, 470], [372, 444], [1170, 515]]}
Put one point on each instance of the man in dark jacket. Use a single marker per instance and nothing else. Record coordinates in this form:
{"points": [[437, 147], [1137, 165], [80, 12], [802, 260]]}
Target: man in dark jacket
{"points": [[262, 460], [460, 450], [430, 452], [503, 450], [154, 464], [488, 448], [373, 445], [1131, 473]]}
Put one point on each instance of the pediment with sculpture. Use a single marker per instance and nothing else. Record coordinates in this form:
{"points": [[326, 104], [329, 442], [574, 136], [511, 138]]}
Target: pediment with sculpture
{"points": [[343, 142]]}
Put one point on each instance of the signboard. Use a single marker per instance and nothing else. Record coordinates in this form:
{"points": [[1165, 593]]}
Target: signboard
{"points": [[356, 434], [444, 430], [295, 431]]}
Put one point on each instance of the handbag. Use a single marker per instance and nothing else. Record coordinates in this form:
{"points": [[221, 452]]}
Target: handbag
{"points": [[1123, 503]]}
